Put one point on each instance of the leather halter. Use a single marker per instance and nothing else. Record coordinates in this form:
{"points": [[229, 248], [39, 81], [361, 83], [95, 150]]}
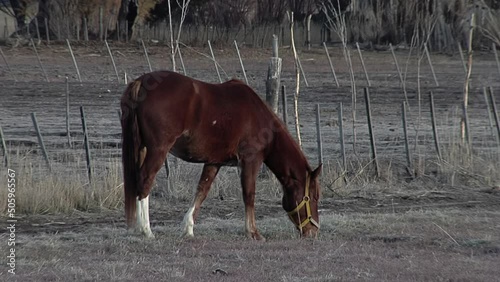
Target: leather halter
{"points": [[305, 202]]}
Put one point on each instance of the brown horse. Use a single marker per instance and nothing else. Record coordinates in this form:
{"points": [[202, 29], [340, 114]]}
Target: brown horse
{"points": [[214, 124]]}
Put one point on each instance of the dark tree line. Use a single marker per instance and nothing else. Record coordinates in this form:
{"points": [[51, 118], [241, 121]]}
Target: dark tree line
{"points": [[378, 21]]}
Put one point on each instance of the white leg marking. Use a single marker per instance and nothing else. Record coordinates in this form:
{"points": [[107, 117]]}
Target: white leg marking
{"points": [[188, 223], [248, 226], [143, 225]]}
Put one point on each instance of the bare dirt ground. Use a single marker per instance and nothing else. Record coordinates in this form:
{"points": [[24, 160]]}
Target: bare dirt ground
{"points": [[389, 229]]}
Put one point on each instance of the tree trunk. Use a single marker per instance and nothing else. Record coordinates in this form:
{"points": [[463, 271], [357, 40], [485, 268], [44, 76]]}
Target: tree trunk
{"points": [[19, 8], [43, 13], [127, 16], [308, 31]]}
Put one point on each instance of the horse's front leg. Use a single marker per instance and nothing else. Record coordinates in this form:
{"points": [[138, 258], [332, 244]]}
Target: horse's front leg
{"points": [[249, 171]]}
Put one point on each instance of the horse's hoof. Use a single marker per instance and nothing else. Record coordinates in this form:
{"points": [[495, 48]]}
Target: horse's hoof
{"points": [[146, 233], [149, 235], [187, 235], [256, 236]]}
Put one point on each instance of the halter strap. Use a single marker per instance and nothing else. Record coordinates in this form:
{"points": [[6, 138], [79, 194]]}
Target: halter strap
{"points": [[305, 202]]}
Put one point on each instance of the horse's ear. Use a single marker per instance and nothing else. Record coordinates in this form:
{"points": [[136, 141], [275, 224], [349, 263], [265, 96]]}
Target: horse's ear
{"points": [[317, 171]]}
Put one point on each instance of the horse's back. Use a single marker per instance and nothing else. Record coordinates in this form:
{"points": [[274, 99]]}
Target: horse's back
{"points": [[207, 121]]}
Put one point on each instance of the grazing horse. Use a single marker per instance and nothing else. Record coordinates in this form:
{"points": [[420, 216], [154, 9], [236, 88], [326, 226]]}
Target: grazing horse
{"points": [[216, 124]]}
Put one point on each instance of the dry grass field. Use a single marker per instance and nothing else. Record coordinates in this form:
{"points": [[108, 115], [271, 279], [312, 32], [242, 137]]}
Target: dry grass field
{"points": [[443, 224]]}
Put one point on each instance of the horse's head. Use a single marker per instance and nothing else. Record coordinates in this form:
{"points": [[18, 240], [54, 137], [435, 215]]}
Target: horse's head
{"points": [[300, 200]]}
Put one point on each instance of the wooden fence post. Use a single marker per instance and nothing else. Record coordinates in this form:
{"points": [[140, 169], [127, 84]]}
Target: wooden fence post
{"points": [[430, 64], [284, 105], [331, 64], [341, 135], [215, 62], [37, 31], [434, 127], [86, 144], [318, 134], [468, 137], [370, 130], [167, 172], [40, 141], [74, 60], [39, 60], [407, 145], [85, 30], [7, 64], [241, 62], [112, 61], [495, 113], [363, 65], [273, 77], [68, 30], [180, 58], [101, 25], [4, 148], [67, 114], [488, 108], [461, 52], [302, 71], [146, 55], [47, 34], [397, 68], [496, 57], [6, 28]]}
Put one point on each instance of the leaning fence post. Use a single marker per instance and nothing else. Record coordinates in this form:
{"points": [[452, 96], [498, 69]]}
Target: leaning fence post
{"points": [[7, 64], [284, 105], [434, 127], [86, 143], [407, 145], [146, 55], [430, 64], [67, 114], [39, 60], [40, 141], [318, 134], [496, 57], [488, 108], [461, 52], [397, 66], [331, 64], [215, 62], [112, 60], [4, 148], [370, 130], [341, 135], [495, 113], [74, 60], [363, 65], [302, 71], [180, 58], [241, 62]]}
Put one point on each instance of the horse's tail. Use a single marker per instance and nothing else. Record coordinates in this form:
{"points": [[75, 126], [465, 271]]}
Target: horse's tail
{"points": [[133, 152]]}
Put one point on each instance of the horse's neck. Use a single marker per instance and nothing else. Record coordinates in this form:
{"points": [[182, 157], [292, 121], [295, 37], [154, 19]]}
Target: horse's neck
{"points": [[285, 158]]}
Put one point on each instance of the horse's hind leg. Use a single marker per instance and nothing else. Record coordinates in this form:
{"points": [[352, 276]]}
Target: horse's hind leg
{"points": [[206, 179], [152, 163]]}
